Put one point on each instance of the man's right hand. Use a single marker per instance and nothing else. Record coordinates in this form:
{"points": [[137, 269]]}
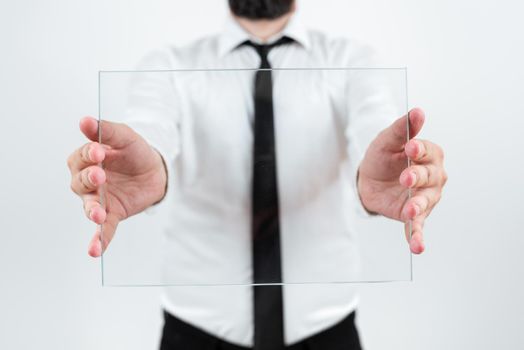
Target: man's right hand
{"points": [[134, 174]]}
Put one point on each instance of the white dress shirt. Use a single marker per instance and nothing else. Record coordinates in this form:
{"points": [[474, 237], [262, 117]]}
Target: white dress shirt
{"points": [[206, 142]]}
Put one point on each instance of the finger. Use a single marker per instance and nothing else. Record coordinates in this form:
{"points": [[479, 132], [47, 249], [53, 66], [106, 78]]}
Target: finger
{"points": [[93, 209], [103, 236], [419, 203], [397, 134], [88, 180], [89, 154], [419, 176], [95, 245], [415, 234], [422, 151], [413, 225], [112, 134]]}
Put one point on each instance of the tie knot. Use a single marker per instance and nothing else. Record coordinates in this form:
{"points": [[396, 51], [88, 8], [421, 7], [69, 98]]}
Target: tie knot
{"points": [[263, 49]]}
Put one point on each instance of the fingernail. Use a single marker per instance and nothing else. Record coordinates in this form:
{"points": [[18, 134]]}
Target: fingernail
{"points": [[419, 151], [413, 245], [414, 178]]}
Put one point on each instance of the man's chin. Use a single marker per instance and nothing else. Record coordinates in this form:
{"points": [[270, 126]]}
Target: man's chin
{"points": [[261, 9]]}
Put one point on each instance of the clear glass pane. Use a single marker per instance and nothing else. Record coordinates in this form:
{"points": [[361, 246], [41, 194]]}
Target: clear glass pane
{"points": [[201, 121]]}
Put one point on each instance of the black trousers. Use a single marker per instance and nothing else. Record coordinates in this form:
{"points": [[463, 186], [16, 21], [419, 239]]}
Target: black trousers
{"points": [[178, 335]]}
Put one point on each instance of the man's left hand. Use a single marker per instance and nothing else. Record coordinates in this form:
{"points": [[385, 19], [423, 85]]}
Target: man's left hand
{"points": [[384, 179]]}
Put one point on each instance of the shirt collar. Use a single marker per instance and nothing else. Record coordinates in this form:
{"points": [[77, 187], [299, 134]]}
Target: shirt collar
{"points": [[233, 34]]}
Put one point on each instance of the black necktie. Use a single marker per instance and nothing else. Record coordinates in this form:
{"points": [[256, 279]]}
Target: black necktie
{"points": [[268, 304]]}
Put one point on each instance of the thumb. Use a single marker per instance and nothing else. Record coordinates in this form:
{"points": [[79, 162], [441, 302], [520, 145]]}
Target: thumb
{"points": [[116, 135], [396, 135]]}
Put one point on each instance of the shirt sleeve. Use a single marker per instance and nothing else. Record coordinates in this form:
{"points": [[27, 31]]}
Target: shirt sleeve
{"points": [[152, 110], [371, 107]]}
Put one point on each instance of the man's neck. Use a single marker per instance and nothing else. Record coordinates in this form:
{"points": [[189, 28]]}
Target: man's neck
{"points": [[264, 29]]}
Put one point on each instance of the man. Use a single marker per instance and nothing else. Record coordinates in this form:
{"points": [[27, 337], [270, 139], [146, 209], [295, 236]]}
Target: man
{"points": [[160, 142]]}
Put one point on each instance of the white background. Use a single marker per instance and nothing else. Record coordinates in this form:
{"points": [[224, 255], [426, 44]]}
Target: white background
{"points": [[465, 61]]}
